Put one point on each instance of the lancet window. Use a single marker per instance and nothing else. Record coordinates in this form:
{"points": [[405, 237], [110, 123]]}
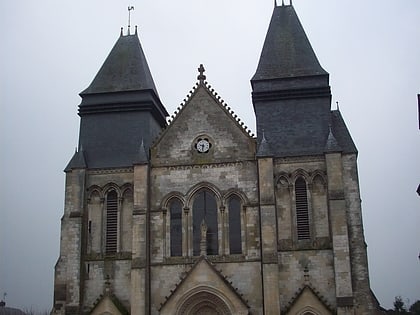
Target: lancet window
{"points": [[175, 212], [205, 229], [235, 240]]}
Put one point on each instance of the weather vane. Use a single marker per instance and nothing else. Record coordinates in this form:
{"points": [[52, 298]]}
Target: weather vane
{"points": [[130, 8]]}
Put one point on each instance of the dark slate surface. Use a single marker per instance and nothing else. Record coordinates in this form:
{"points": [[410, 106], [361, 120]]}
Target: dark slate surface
{"points": [[332, 144], [264, 149], [120, 109], [112, 139], [142, 156], [341, 133], [287, 51], [124, 69], [77, 161], [291, 94], [294, 127]]}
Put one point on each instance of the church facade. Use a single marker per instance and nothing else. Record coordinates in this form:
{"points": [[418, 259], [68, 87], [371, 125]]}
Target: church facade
{"points": [[198, 216]]}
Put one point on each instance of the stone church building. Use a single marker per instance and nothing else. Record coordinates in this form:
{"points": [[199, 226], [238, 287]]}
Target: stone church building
{"points": [[198, 216]]}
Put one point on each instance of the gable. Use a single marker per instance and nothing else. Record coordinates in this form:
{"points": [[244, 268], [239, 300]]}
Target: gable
{"points": [[203, 117], [203, 288], [307, 302], [108, 305]]}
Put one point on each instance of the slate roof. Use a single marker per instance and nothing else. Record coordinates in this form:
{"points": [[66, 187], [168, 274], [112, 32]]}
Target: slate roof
{"points": [[292, 96], [341, 133], [264, 150], [332, 144], [77, 161], [120, 109], [125, 69], [287, 51]]}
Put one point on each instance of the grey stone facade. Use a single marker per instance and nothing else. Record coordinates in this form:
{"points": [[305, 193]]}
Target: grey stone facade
{"points": [[294, 211]]}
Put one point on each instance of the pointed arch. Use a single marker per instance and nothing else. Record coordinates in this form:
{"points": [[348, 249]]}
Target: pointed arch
{"points": [[95, 188], [300, 173], [204, 210], [234, 206], [283, 181], [126, 218], [94, 221], [203, 185], [111, 186], [164, 204], [320, 213], [175, 206]]}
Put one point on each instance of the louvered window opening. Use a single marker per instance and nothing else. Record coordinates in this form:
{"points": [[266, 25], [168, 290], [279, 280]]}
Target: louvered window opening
{"points": [[111, 223], [302, 212], [176, 228]]}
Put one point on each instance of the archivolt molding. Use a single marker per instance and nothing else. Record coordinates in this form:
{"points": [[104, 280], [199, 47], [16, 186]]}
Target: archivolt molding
{"points": [[291, 178], [204, 296], [164, 204], [203, 186], [318, 174], [235, 192], [94, 189], [102, 191], [309, 311]]}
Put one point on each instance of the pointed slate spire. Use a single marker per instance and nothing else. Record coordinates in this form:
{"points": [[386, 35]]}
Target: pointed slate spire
{"points": [[264, 150], [125, 69], [77, 161], [120, 108], [287, 51], [332, 145], [142, 157]]}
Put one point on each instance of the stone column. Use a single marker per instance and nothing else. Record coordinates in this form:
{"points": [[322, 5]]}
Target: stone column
{"points": [[340, 236], [138, 264], [268, 226], [68, 281]]}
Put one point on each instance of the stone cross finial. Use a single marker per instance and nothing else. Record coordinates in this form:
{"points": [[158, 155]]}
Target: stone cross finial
{"points": [[203, 240], [201, 77]]}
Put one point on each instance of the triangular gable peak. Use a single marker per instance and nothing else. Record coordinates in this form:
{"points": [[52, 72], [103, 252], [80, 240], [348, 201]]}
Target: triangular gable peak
{"points": [[108, 304], [203, 115], [307, 299], [204, 286]]}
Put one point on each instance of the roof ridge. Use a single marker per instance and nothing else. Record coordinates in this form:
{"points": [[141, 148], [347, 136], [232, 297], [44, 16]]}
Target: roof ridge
{"points": [[219, 100]]}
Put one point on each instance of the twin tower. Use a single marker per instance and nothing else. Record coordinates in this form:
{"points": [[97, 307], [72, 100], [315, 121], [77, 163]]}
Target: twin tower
{"points": [[199, 217]]}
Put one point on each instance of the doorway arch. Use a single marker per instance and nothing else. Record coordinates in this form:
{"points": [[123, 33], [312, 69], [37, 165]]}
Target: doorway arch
{"points": [[204, 303]]}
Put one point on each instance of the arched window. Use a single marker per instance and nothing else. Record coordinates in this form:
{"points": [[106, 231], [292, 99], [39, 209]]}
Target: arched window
{"points": [[205, 210], [111, 222], [235, 241], [175, 212], [302, 211]]}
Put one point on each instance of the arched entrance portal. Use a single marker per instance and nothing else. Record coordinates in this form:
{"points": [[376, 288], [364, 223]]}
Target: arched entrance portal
{"points": [[204, 303]]}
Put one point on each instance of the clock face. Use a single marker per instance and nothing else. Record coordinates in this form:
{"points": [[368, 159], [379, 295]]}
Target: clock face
{"points": [[203, 146]]}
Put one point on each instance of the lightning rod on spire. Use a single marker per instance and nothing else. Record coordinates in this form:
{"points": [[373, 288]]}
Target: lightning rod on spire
{"points": [[130, 8]]}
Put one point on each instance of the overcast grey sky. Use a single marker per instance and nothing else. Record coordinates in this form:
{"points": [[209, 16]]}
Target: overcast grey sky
{"points": [[51, 50]]}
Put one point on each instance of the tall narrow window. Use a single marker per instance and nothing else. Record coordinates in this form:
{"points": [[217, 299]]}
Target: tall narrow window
{"points": [[235, 241], [175, 212], [205, 210], [111, 222], [302, 212]]}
